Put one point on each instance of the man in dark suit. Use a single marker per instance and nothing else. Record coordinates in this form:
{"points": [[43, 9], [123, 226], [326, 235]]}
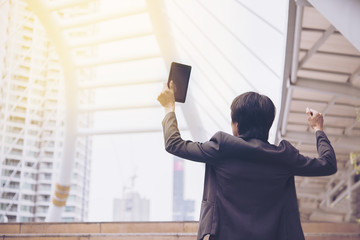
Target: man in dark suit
{"points": [[249, 189]]}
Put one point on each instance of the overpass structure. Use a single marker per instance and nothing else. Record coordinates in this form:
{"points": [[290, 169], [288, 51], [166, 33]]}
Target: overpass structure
{"points": [[322, 70], [301, 54]]}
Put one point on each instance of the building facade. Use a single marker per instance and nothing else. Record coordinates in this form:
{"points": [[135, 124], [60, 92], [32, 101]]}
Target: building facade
{"points": [[32, 120], [131, 208], [183, 210]]}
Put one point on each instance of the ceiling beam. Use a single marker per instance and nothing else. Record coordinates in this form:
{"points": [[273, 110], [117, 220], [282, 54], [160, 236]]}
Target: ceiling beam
{"points": [[330, 104], [286, 111], [102, 84], [326, 71], [92, 132], [115, 59], [350, 143], [101, 39], [92, 108], [304, 3], [344, 15], [350, 128], [354, 75], [296, 43], [57, 5], [287, 68], [332, 88], [101, 17], [3, 2], [317, 45]]}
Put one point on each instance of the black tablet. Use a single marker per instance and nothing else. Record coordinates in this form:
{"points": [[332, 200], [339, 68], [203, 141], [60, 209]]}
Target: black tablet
{"points": [[180, 74]]}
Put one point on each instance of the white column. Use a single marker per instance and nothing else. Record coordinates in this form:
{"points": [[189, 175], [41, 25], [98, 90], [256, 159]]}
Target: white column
{"points": [[41, 9], [162, 31]]}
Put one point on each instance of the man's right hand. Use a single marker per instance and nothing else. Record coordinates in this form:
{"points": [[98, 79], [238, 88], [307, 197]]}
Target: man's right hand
{"points": [[167, 98], [315, 119]]}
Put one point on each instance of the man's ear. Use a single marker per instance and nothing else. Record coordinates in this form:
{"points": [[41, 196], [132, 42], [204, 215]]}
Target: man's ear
{"points": [[235, 128]]}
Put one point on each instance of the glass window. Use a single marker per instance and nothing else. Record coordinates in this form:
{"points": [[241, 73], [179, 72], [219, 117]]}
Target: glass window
{"points": [[68, 219], [70, 209]]}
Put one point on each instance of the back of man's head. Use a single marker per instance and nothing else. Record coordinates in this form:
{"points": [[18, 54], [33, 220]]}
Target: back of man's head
{"points": [[254, 114]]}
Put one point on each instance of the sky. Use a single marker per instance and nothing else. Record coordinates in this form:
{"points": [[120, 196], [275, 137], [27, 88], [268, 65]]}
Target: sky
{"points": [[233, 46]]}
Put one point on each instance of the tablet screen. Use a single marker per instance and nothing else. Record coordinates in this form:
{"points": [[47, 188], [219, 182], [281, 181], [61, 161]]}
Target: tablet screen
{"points": [[180, 74]]}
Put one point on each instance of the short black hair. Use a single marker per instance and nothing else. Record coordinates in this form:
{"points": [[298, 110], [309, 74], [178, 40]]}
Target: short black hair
{"points": [[254, 114]]}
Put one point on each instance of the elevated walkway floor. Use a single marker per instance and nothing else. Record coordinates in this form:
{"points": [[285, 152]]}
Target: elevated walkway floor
{"points": [[149, 231]]}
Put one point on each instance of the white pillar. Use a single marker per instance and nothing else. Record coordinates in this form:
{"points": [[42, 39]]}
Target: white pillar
{"points": [[162, 31], [41, 9]]}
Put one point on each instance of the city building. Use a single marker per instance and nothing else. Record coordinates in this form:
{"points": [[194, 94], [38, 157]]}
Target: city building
{"points": [[183, 210], [32, 119], [132, 207]]}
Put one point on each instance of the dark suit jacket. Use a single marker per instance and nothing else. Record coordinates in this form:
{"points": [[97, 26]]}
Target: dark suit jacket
{"points": [[249, 190]]}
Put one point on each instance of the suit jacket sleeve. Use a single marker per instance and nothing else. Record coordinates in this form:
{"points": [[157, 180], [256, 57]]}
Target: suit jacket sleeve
{"points": [[206, 152], [324, 165]]}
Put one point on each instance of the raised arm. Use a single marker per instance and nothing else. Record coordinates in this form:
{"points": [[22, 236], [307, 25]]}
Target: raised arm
{"points": [[206, 152], [325, 164], [201, 152]]}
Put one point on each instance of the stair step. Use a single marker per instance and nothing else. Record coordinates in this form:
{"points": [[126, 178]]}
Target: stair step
{"points": [[319, 227], [155, 236], [108, 236], [148, 227], [332, 236], [150, 231], [104, 227]]}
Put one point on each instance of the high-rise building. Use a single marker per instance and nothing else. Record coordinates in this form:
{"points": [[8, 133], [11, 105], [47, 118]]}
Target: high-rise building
{"points": [[183, 210], [32, 119]]}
